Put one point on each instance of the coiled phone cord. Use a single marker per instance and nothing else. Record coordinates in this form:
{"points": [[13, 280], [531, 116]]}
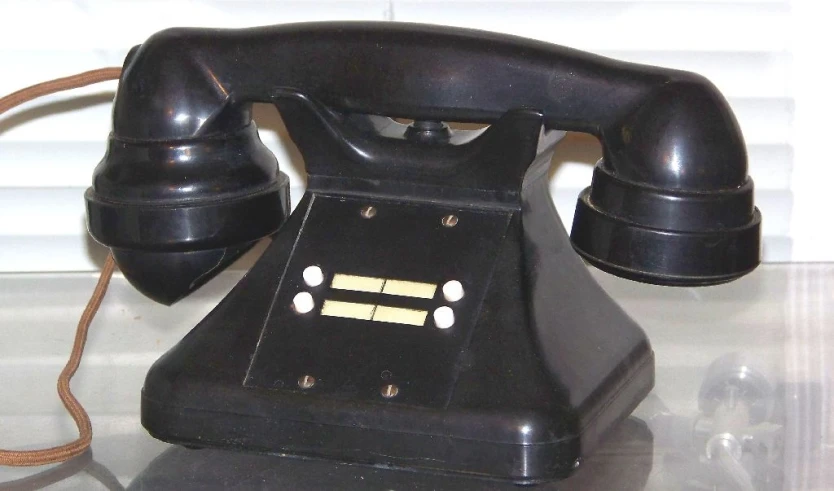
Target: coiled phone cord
{"points": [[76, 410]]}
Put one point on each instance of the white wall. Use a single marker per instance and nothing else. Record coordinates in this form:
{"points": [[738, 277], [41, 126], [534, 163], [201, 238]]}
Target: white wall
{"points": [[763, 55]]}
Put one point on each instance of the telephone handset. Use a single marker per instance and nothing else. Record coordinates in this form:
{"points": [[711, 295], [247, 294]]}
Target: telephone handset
{"points": [[422, 306]]}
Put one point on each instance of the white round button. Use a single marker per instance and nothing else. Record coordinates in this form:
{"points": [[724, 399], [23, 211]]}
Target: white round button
{"points": [[303, 302], [452, 291], [313, 276], [444, 317]]}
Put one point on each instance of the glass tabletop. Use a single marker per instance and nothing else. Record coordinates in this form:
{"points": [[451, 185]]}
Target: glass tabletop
{"points": [[742, 400]]}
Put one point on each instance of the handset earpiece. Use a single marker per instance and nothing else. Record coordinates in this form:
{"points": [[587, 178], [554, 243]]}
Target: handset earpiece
{"points": [[671, 202], [176, 212]]}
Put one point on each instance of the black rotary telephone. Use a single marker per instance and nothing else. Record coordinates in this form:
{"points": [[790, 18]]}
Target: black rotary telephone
{"points": [[422, 307]]}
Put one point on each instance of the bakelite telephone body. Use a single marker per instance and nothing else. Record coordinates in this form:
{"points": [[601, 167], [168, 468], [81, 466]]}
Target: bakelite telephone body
{"points": [[422, 307]]}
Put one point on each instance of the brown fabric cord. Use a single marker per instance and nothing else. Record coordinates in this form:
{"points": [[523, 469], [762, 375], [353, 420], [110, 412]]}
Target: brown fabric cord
{"points": [[59, 84], [76, 410]]}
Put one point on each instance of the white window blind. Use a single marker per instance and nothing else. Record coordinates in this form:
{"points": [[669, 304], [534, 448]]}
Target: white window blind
{"points": [[48, 148]]}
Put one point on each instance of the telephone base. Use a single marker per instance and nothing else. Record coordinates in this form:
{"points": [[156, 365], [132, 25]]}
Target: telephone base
{"points": [[537, 366]]}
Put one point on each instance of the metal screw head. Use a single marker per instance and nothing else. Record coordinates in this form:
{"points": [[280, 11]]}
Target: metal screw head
{"points": [[368, 212], [449, 221], [389, 391], [306, 381]]}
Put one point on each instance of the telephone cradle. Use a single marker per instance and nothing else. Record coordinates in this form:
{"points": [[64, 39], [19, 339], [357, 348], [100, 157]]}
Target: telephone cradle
{"points": [[422, 307]]}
